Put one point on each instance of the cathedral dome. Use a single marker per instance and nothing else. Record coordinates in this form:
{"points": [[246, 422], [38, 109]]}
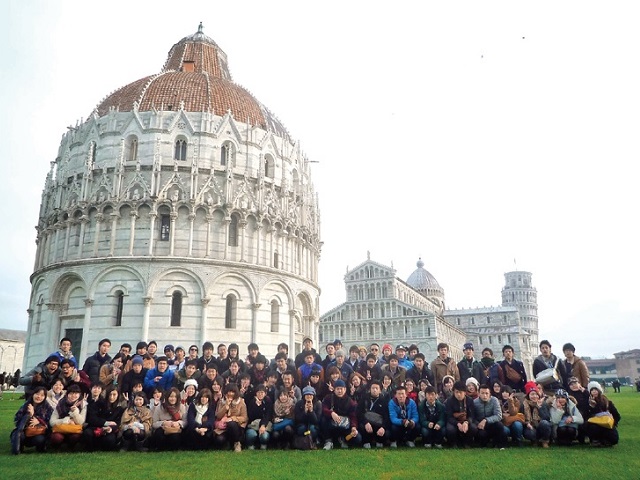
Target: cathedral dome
{"points": [[196, 78], [425, 283]]}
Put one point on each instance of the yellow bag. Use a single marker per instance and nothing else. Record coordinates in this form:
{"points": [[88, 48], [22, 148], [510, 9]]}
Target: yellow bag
{"points": [[67, 428], [605, 420]]}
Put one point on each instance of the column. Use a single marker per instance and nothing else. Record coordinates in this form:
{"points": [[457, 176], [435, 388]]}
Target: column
{"points": [[255, 307], [242, 232], [225, 240], [209, 219], [86, 325], [55, 242], [114, 227], [259, 260], [65, 250], [99, 220], [172, 232], [132, 231], [204, 320], [152, 225], [292, 330], [83, 226], [192, 217], [145, 318]]}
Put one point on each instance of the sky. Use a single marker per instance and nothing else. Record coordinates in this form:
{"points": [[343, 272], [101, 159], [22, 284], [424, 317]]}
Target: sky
{"points": [[482, 137]]}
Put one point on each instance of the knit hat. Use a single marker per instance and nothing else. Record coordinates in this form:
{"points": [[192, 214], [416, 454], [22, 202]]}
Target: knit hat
{"points": [[572, 380], [309, 390], [387, 346], [137, 360], [447, 377], [468, 346], [340, 353], [169, 348], [530, 387], [595, 385], [340, 383], [474, 381], [314, 372], [191, 381], [562, 393]]}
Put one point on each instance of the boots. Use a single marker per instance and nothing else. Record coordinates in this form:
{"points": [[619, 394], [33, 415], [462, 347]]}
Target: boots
{"points": [[139, 446]]}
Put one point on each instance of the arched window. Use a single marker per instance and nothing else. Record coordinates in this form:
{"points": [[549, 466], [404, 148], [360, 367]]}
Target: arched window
{"points": [[180, 151], [224, 155], [269, 166], [275, 316], [176, 308], [230, 312], [233, 231], [275, 260], [92, 154], [119, 308], [131, 148]]}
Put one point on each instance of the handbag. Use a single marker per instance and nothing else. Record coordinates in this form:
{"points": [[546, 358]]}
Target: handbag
{"points": [[375, 419], [35, 431], [304, 442], [67, 428], [510, 419], [220, 425], [343, 422], [512, 375], [549, 375], [604, 419], [171, 430]]}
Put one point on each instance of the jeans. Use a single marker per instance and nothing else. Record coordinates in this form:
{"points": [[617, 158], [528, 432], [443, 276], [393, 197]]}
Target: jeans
{"points": [[431, 435], [515, 431], [542, 432], [252, 436]]}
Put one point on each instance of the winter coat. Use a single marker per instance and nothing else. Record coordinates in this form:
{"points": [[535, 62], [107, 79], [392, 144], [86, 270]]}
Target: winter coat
{"points": [[302, 417], [136, 415], [518, 367], [398, 413], [457, 411], [166, 382], [345, 407], [491, 410], [559, 414], [93, 364], [378, 405], [161, 415], [435, 413], [236, 410], [579, 370], [442, 368]]}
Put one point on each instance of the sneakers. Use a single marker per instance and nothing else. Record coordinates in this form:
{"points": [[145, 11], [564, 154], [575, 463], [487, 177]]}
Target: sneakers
{"points": [[263, 446], [411, 444], [438, 446], [237, 447], [343, 444], [251, 447], [379, 445], [328, 445], [427, 445], [393, 444], [366, 446], [545, 444]]}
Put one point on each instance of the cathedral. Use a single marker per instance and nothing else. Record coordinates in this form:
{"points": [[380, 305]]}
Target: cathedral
{"points": [[382, 308], [180, 211]]}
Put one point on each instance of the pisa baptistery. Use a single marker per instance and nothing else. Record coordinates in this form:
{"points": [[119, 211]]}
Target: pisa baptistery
{"points": [[180, 211]]}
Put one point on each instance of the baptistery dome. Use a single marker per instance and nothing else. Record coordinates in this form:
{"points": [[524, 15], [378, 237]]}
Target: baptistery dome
{"points": [[180, 211], [425, 283]]}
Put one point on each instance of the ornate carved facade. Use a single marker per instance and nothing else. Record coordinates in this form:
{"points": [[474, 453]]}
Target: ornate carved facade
{"points": [[180, 211]]}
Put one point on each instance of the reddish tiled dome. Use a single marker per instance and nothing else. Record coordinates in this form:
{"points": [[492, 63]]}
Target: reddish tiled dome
{"points": [[196, 73]]}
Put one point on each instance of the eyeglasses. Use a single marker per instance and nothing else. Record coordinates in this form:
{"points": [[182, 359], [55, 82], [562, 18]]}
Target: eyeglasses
{"points": [[193, 349], [375, 349]]}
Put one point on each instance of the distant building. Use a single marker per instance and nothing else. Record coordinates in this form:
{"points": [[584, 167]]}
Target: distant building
{"points": [[11, 350], [628, 364], [602, 369], [382, 308]]}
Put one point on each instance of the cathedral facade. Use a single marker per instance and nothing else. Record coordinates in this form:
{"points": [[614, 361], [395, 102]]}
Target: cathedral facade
{"points": [[382, 308], [180, 211]]}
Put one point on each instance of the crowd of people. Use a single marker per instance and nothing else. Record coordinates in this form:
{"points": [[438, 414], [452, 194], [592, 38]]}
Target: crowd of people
{"points": [[374, 397]]}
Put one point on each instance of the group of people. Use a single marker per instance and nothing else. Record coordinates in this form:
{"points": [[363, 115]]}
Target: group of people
{"points": [[370, 397]]}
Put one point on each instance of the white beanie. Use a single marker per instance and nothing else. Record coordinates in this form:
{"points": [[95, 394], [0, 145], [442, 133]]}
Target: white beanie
{"points": [[595, 385], [191, 381]]}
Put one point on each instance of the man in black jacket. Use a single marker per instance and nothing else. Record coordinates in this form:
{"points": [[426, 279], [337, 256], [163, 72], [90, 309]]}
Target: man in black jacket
{"points": [[373, 417], [93, 364]]}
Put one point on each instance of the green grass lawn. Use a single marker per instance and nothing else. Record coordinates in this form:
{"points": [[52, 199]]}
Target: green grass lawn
{"points": [[622, 461]]}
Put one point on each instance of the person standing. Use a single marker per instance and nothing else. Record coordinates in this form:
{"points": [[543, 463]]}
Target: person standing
{"points": [[469, 367], [545, 360], [444, 365], [513, 372], [93, 364], [574, 365]]}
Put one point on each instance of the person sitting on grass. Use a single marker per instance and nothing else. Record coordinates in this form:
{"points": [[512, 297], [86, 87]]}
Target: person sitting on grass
{"points": [[169, 419], [259, 413], [339, 418], [67, 419], [283, 416], [231, 419], [432, 419], [373, 417], [565, 418], [307, 414], [403, 414], [461, 425], [537, 417], [600, 405], [200, 416], [135, 425], [32, 423], [488, 418]]}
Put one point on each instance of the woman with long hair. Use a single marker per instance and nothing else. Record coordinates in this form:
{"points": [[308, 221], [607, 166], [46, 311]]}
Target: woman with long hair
{"points": [[600, 435], [231, 418], [169, 419], [32, 423]]}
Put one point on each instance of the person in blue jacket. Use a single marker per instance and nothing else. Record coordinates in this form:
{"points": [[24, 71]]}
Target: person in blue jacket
{"points": [[160, 376], [403, 413]]}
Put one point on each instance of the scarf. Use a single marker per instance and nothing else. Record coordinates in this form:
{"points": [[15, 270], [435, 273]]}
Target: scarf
{"points": [[173, 411], [64, 407], [200, 411]]}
